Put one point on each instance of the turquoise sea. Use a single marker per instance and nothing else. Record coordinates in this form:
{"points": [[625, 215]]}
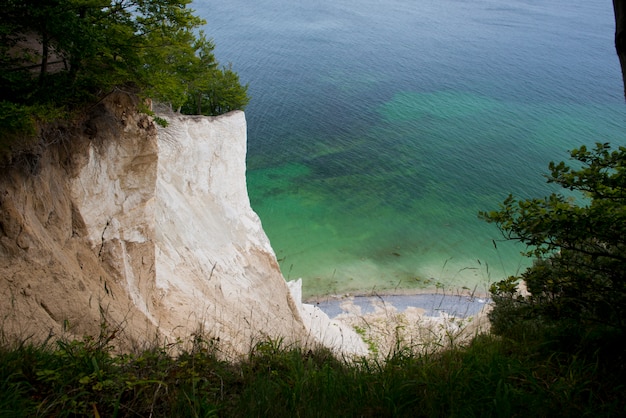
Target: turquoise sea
{"points": [[378, 129]]}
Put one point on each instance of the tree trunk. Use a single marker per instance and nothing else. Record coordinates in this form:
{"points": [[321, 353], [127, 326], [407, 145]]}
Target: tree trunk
{"points": [[619, 8], [45, 52]]}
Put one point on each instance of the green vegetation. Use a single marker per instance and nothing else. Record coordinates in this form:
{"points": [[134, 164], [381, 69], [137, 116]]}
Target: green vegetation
{"points": [[57, 57], [578, 283], [492, 376]]}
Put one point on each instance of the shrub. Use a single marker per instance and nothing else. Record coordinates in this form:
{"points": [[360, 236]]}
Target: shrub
{"points": [[577, 286]]}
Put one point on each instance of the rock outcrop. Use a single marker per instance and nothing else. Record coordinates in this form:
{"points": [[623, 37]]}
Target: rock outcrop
{"points": [[75, 228], [210, 247], [147, 230]]}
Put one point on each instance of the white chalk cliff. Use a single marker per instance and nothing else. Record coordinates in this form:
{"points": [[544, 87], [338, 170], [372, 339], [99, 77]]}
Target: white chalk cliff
{"points": [[149, 230]]}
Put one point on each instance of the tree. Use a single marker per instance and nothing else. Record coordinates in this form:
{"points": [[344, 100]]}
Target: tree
{"points": [[60, 55], [619, 10], [579, 242], [218, 93], [96, 44]]}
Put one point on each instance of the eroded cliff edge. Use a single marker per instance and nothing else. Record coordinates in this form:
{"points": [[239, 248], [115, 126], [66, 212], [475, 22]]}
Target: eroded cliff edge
{"points": [[150, 231]]}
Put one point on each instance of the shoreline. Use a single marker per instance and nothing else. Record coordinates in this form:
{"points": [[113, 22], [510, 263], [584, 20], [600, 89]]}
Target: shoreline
{"points": [[379, 318], [385, 293], [431, 303]]}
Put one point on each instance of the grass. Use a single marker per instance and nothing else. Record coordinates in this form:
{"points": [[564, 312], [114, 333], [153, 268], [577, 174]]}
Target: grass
{"points": [[490, 376]]}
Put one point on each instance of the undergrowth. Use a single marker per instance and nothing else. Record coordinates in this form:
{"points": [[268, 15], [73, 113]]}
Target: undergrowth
{"points": [[491, 376]]}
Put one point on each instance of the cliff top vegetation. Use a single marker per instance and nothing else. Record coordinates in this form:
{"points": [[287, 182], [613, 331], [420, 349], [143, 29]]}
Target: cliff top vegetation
{"points": [[58, 57]]}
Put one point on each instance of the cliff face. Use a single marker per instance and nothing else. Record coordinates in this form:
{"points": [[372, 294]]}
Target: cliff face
{"points": [[210, 247], [151, 232]]}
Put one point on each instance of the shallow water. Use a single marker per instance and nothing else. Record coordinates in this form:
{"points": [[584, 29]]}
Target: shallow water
{"points": [[434, 305], [377, 130]]}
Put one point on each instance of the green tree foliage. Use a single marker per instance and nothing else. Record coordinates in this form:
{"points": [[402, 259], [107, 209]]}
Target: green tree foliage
{"points": [[63, 54], [68, 49], [217, 95], [579, 240]]}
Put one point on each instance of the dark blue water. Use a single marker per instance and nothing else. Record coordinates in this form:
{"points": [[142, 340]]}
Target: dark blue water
{"points": [[378, 129]]}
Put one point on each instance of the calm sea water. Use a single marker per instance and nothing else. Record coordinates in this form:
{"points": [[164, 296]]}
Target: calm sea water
{"points": [[378, 129]]}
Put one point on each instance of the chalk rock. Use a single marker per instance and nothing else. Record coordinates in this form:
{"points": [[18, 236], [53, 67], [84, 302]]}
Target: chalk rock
{"points": [[149, 231], [214, 264]]}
